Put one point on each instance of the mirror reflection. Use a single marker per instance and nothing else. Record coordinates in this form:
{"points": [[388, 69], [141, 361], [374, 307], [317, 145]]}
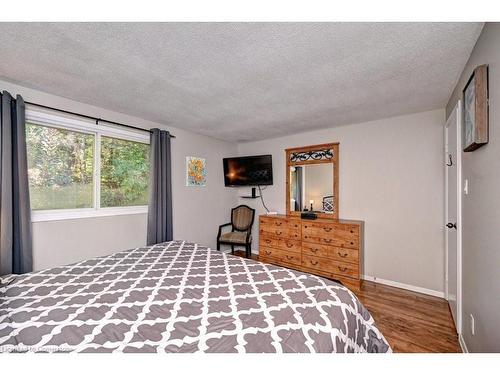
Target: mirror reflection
{"points": [[311, 188]]}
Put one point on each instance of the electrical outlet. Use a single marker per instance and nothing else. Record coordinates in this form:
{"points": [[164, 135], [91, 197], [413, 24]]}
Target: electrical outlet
{"points": [[472, 325]]}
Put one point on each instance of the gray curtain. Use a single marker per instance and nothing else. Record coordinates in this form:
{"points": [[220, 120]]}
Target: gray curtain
{"points": [[15, 211], [160, 189]]}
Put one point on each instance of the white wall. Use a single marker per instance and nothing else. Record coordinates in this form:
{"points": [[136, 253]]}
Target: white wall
{"points": [[67, 241], [391, 176], [481, 208], [197, 212]]}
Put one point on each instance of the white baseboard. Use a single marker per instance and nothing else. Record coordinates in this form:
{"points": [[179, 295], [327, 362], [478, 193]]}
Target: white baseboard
{"points": [[462, 344], [396, 284]]}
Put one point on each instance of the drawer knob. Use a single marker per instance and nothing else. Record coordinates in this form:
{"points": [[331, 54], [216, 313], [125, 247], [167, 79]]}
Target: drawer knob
{"points": [[342, 255], [314, 250], [327, 240], [268, 252], [305, 226], [352, 243], [314, 262], [278, 223], [342, 269], [268, 241], [289, 245], [326, 229], [352, 231], [289, 257], [278, 232]]}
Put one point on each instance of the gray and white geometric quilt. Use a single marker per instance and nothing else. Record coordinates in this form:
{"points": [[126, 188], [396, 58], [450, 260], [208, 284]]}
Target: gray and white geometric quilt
{"points": [[181, 297]]}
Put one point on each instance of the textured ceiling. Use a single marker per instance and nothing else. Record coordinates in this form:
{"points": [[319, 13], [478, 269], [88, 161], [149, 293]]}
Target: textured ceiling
{"points": [[242, 81]]}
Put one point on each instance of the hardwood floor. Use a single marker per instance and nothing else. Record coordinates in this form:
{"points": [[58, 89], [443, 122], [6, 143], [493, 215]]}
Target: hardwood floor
{"points": [[411, 322]]}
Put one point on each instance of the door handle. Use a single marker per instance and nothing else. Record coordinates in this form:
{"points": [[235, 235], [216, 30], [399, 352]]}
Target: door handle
{"points": [[451, 225]]}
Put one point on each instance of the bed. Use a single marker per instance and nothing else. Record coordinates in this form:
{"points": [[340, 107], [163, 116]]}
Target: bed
{"points": [[181, 297]]}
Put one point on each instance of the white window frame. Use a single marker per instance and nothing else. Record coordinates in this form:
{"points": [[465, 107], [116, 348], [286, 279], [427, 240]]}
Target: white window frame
{"points": [[87, 127]]}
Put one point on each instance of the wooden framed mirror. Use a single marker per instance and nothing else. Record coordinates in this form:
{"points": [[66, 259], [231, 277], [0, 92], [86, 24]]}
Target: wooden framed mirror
{"points": [[312, 180]]}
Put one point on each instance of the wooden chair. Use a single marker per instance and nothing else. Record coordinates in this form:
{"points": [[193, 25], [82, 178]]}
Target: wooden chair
{"points": [[242, 218]]}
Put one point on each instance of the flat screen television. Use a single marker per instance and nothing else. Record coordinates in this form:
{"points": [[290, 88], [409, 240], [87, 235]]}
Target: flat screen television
{"points": [[248, 170]]}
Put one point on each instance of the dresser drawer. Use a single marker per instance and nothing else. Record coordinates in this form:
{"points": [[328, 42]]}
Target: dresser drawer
{"points": [[265, 241], [330, 230], [280, 255], [289, 245], [329, 265], [330, 227], [351, 243], [280, 223], [280, 243], [331, 234], [273, 221], [279, 232], [341, 254]]}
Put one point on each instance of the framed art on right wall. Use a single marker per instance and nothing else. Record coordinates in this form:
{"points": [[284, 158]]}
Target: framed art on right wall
{"points": [[475, 99]]}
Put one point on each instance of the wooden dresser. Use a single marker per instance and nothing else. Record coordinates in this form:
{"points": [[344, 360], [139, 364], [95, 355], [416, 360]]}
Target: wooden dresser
{"points": [[326, 247]]}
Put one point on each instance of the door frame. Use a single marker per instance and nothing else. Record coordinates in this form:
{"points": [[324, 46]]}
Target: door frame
{"points": [[458, 111]]}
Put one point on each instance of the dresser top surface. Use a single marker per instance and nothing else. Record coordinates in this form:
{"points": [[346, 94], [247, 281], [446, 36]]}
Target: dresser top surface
{"points": [[290, 217]]}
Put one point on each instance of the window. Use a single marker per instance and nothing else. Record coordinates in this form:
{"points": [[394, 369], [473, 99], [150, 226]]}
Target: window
{"points": [[124, 173], [77, 169], [60, 168]]}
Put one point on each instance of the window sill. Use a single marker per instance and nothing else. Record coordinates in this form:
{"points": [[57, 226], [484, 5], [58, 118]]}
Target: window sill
{"points": [[84, 213]]}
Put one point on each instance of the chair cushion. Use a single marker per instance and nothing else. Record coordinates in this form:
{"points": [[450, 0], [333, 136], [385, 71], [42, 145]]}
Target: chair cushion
{"points": [[235, 237]]}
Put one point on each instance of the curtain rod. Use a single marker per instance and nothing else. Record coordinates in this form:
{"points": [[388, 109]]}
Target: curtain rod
{"points": [[92, 118]]}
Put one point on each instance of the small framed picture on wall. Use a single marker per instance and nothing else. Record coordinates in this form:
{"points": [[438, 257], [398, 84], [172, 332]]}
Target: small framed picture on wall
{"points": [[196, 171], [475, 99]]}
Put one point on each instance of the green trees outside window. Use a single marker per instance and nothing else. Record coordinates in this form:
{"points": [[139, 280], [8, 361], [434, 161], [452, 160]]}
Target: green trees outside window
{"points": [[61, 166], [124, 173]]}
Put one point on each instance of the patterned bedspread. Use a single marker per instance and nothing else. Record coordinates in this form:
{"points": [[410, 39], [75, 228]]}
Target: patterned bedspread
{"points": [[181, 297]]}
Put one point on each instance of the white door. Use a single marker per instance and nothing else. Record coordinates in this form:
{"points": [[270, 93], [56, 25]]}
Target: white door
{"points": [[453, 214]]}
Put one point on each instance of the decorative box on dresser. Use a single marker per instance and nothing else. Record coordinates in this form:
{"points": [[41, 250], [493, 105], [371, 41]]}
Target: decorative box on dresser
{"points": [[326, 247]]}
